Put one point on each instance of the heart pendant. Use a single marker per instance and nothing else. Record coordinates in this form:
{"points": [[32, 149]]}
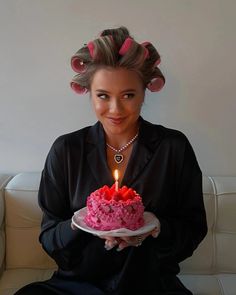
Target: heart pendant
{"points": [[118, 158]]}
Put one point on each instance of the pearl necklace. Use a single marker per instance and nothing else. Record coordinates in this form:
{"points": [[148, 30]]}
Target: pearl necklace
{"points": [[118, 157]]}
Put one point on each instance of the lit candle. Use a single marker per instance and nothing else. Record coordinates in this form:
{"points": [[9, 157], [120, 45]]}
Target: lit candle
{"points": [[116, 176]]}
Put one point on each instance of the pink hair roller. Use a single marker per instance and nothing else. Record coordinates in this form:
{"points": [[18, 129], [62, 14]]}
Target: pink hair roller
{"points": [[77, 64], [156, 84], [157, 62], [145, 43], [126, 46], [146, 53], [90, 46], [78, 88]]}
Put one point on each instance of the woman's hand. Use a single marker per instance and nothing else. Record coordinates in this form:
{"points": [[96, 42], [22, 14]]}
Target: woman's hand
{"points": [[136, 241], [124, 242]]}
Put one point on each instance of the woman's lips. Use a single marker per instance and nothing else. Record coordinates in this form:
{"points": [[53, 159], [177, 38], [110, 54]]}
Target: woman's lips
{"points": [[116, 121]]}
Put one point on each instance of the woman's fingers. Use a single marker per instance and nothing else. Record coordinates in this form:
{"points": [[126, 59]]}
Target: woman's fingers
{"points": [[124, 242], [110, 242], [130, 241], [122, 245], [155, 232]]}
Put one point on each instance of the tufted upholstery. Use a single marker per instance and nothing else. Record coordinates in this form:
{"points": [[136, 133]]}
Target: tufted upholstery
{"points": [[3, 181], [210, 271], [212, 268]]}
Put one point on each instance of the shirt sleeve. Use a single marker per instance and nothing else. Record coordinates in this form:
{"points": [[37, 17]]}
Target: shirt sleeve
{"points": [[183, 226], [57, 237]]}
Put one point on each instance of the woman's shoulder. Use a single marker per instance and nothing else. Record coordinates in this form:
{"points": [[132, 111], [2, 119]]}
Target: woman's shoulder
{"points": [[164, 133], [71, 139], [73, 136], [174, 134], [169, 140]]}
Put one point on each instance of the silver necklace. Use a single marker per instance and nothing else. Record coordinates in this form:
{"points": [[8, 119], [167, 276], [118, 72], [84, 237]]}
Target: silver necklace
{"points": [[118, 157]]}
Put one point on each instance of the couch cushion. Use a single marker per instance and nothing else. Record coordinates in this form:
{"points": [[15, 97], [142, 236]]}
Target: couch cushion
{"points": [[228, 283], [220, 284], [3, 181], [14, 279], [23, 218], [4, 178], [225, 231], [202, 284]]}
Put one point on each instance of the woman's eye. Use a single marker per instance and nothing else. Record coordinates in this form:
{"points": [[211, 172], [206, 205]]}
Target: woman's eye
{"points": [[102, 96], [129, 95]]}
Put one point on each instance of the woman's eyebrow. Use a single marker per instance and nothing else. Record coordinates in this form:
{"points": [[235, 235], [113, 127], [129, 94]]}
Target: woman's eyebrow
{"points": [[102, 90], [129, 90], [126, 90]]}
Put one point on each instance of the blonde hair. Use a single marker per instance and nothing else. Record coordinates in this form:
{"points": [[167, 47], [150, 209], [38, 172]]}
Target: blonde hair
{"points": [[141, 58]]}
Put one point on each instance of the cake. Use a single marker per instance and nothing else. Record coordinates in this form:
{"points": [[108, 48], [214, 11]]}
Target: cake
{"points": [[109, 209]]}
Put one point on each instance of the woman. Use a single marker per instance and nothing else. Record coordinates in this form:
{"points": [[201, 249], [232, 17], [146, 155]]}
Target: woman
{"points": [[157, 162]]}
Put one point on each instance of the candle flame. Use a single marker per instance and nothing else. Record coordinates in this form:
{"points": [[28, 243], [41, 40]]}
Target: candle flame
{"points": [[116, 174]]}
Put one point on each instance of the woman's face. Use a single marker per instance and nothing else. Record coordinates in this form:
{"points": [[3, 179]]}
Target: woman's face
{"points": [[117, 97]]}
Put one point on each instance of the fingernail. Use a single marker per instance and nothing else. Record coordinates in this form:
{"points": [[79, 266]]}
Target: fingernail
{"points": [[155, 234], [118, 249], [108, 247]]}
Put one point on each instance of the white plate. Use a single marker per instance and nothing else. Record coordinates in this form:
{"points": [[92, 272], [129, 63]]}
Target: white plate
{"points": [[150, 222]]}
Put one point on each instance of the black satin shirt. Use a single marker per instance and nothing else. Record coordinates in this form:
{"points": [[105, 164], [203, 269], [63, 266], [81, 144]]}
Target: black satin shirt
{"points": [[163, 169]]}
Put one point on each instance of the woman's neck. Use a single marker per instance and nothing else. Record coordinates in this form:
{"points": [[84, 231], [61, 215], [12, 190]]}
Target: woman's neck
{"points": [[119, 140]]}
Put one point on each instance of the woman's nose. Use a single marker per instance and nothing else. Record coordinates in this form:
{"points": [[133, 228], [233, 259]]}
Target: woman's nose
{"points": [[116, 106]]}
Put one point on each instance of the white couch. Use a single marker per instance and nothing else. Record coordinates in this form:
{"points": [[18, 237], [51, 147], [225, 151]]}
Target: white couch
{"points": [[210, 271]]}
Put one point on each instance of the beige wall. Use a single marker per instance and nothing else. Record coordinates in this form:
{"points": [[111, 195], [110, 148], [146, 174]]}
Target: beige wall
{"points": [[196, 39]]}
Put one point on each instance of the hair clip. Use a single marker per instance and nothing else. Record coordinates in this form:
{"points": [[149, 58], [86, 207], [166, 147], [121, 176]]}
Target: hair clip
{"points": [[77, 64], [78, 88], [156, 84], [126, 46]]}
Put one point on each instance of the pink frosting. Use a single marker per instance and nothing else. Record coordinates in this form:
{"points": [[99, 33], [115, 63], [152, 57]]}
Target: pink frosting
{"points": [[108, 209]]}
